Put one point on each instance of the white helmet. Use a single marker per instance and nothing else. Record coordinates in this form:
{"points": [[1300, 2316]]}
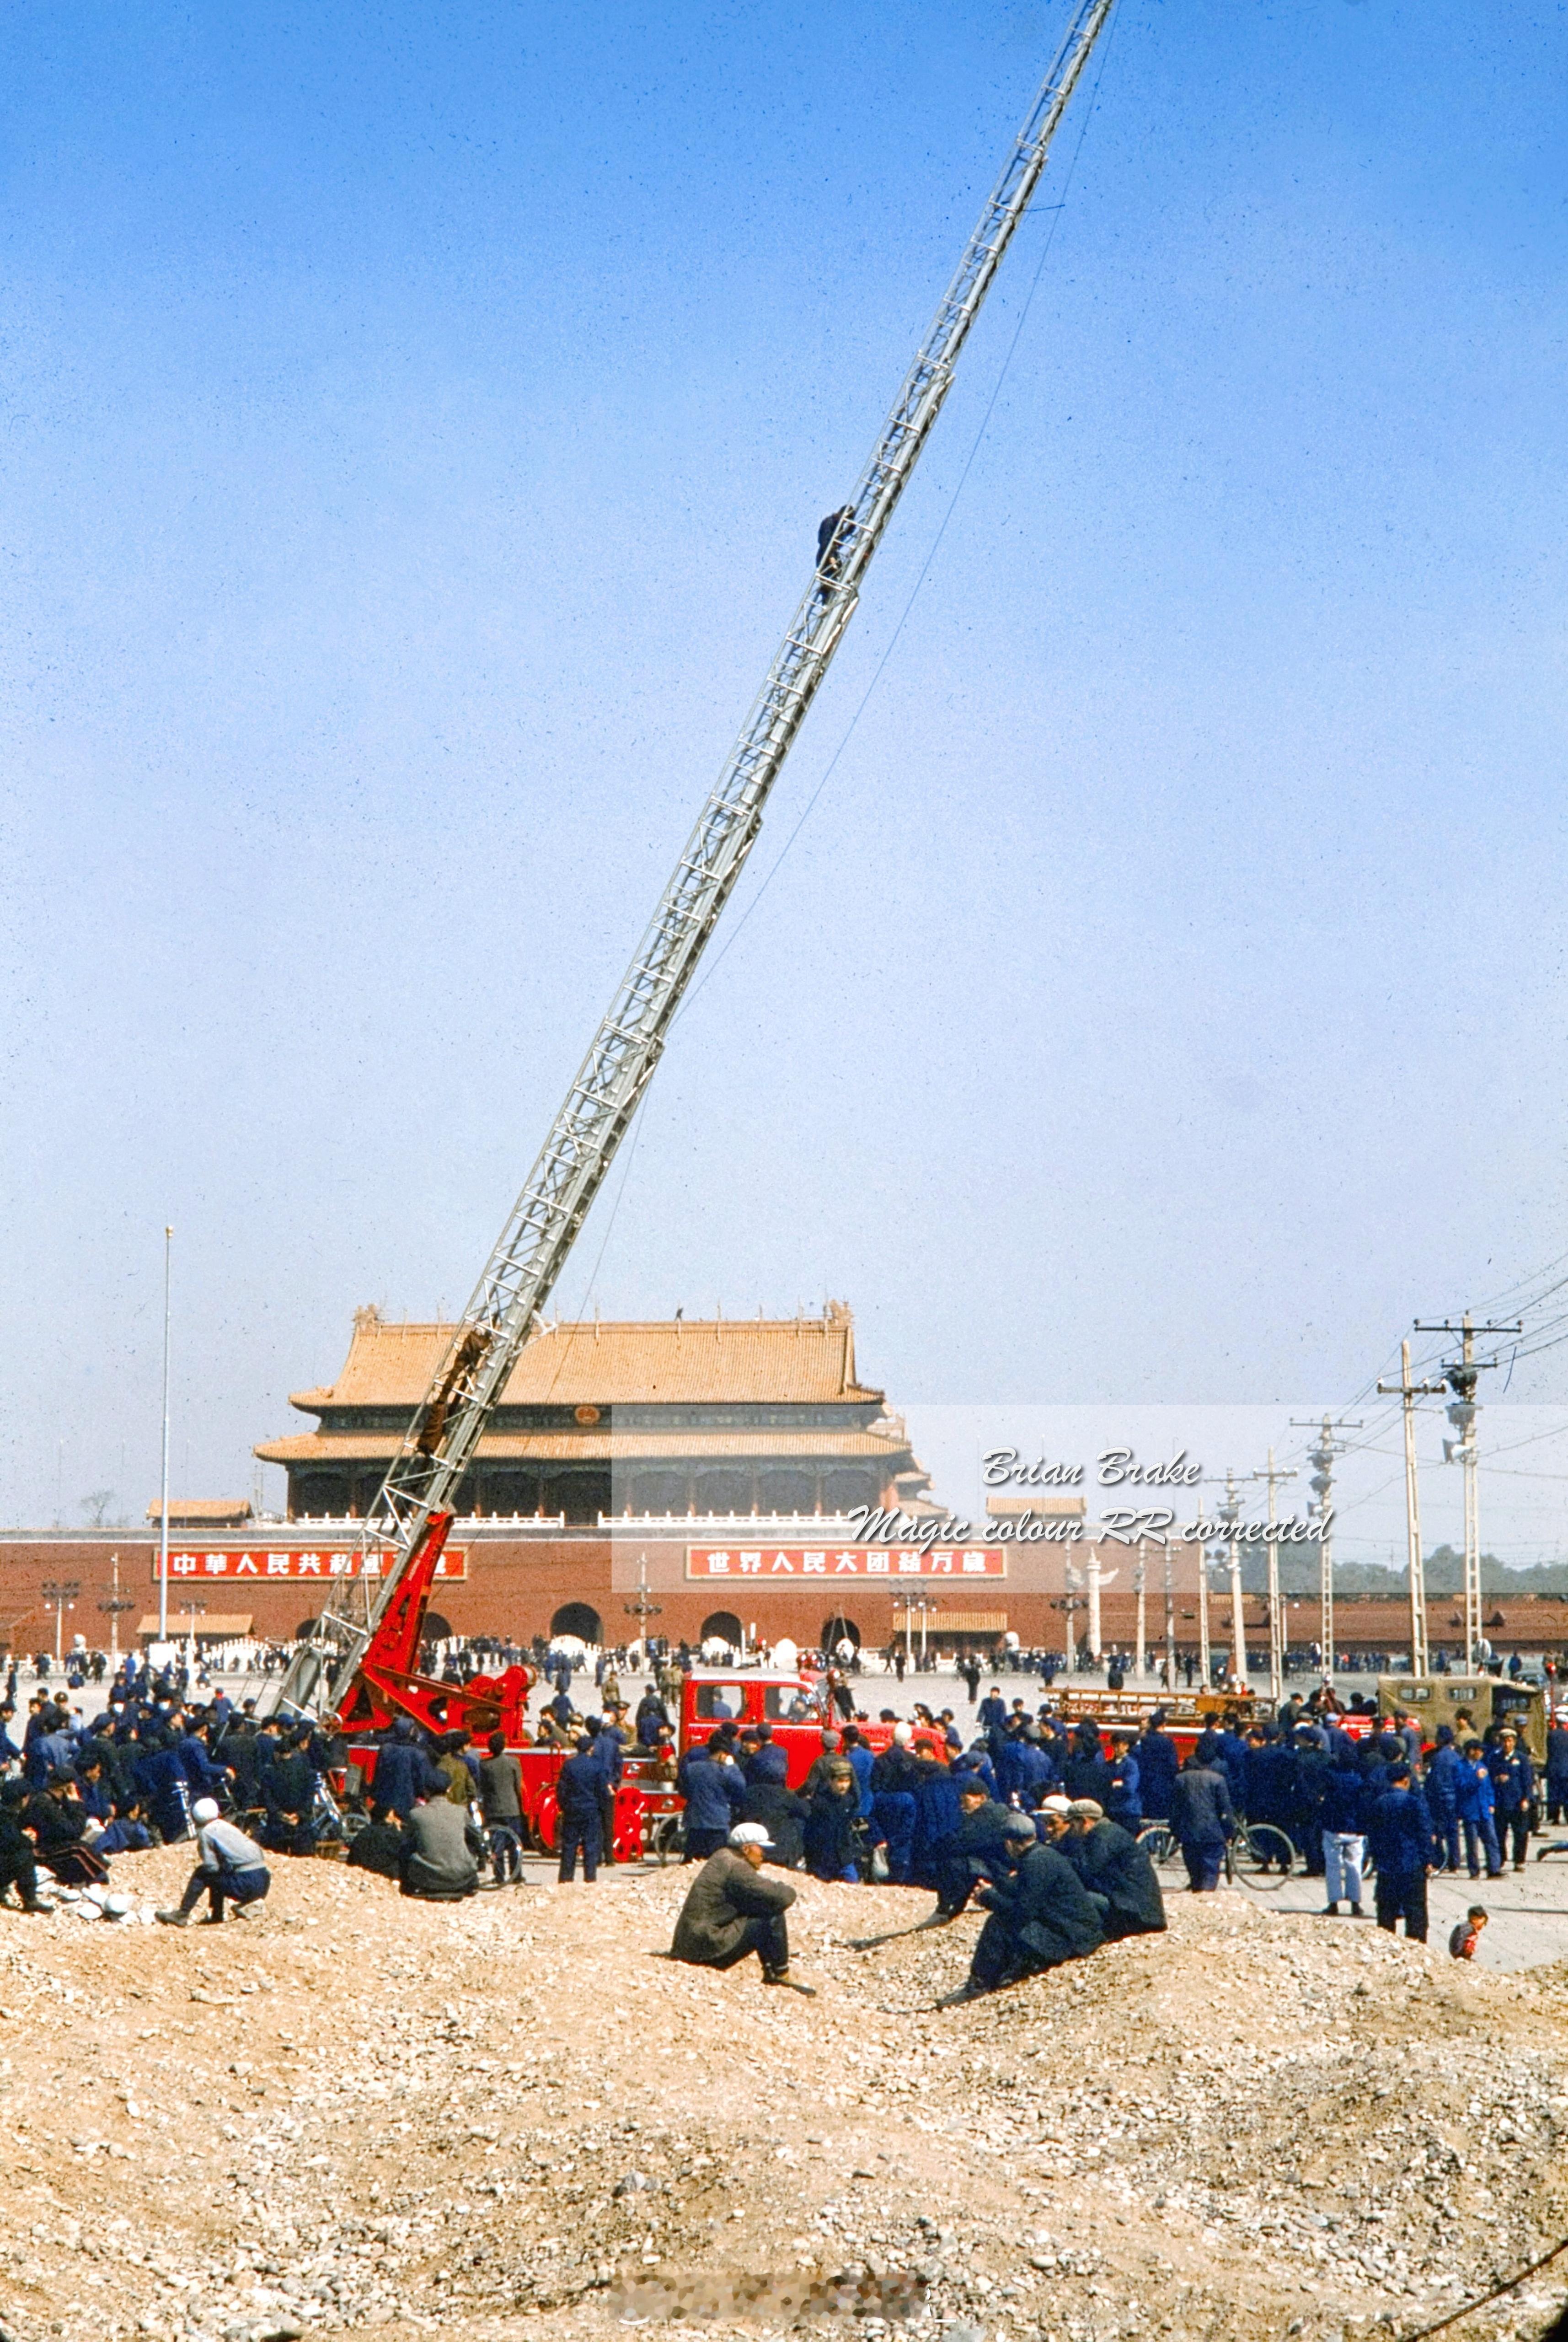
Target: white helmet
{"points": [[206, 1810]]}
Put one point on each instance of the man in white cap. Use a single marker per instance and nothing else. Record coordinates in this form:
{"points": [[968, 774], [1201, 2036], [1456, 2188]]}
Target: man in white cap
{"points": [[732, 1911], [230, 1868]]}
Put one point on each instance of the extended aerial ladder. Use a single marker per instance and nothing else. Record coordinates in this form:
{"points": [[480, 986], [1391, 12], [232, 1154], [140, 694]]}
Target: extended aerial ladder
{"points": [[402, 1535]]}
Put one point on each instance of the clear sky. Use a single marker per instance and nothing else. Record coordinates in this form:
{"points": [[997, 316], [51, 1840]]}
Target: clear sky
{"points": [[415, 424]]}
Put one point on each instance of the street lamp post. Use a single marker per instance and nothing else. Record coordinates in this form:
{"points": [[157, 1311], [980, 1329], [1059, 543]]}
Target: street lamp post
{"points": [[642, 1609], [60, 1593], [116, 1609], [194, 1610], [912, 1606]]}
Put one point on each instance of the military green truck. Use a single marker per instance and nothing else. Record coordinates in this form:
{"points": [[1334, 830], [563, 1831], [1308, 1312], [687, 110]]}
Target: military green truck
{"points": [[1485, 1699]]}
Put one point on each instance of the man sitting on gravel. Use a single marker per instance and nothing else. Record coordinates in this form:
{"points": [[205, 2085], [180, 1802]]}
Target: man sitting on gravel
{"points": [[1039, 1917], [1117, 1871], [230, 1868], [441, 1851], [732, 1911], [19, 1867], [977, 1849], [378, 1847]]}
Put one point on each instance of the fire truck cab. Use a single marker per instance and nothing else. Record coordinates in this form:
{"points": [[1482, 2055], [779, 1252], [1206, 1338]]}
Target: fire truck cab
{"points": [[794, 1706]]}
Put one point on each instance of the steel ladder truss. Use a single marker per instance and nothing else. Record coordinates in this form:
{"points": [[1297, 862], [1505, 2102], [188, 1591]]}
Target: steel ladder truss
{"points": [[423, 1478]]}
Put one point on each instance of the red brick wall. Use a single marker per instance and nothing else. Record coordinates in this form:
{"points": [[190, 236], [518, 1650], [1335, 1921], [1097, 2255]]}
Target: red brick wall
{"points": [[515, 1587]]}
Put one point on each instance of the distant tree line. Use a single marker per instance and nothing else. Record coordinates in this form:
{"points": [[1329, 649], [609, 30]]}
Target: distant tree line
{"points": [[1445, 1573]]}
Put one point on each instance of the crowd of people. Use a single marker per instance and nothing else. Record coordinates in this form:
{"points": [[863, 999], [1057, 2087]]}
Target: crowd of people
{"points": [[919, 1802], [1342, 1805], [152, 1766]]}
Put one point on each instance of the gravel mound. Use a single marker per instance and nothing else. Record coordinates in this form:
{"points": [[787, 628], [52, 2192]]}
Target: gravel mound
{"points": [[516, 2118]]}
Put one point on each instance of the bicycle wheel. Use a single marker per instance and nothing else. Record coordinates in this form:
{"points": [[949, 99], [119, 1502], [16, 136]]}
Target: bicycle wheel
{"points": [[505, 1852], [1263, 1856], [1158, 1842]]}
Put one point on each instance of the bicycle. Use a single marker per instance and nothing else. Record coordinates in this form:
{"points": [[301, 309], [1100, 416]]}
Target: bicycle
{"points": [[1253, 1853], [1251, 1857], [504, 1852]]}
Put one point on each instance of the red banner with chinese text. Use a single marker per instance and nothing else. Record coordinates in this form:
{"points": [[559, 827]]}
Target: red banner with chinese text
{"points": [[294, 1562], [779, 1564]]}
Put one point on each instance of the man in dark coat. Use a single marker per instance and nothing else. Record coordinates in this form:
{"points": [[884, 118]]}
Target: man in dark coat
{"points": [[993, 1717], [499, 1782], [767, 1761], [731, 1911], [651, 1713], [1158, 1765], [58, 1822], [378, 1847], [1113, 1866], [830, 1831], [1399, 1840], [977, 1849], [1312, 1768], [1442, 1790], [1557, 1772], [161, 1783], [783, 1816], [894, 1791], [1087, 1773], [1202, 1821], [608, 1742], [1513, 1793], [579, 1785], [18, 1864], [402, 1771], [1040, 1914], [291, 1804]]}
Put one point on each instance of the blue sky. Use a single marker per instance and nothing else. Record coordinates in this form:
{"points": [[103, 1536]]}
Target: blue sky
{"points": [[415, 427]]}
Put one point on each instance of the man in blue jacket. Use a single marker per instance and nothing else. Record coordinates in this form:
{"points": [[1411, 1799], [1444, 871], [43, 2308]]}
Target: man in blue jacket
{"points": [[1399, 1839], [402, 1771], [1556, 1768], [1474, 1804], [1443, 1795], [579, 1787], [1125, 1806], [1158, 1765], [1513, 1793], [1342, 1818], [715, 1789], [766, 1761]]}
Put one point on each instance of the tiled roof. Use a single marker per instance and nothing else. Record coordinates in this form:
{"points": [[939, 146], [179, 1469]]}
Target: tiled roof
{"points": [[596, 1447], [793, 1361], [204, 1512]]}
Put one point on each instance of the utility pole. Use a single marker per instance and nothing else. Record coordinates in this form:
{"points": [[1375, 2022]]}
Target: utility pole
{"points": [[1276, 1613], [1072, 1579], [163, 1499], [1170, 1618], [1229, 1512], [1091, 1571], [1462, 1374], [1141, 1647], [1408, 1392], [1321, 1458]]}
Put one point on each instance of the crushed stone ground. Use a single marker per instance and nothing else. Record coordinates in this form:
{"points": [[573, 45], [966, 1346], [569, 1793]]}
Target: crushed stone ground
{"points": [[513, 2118]]}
